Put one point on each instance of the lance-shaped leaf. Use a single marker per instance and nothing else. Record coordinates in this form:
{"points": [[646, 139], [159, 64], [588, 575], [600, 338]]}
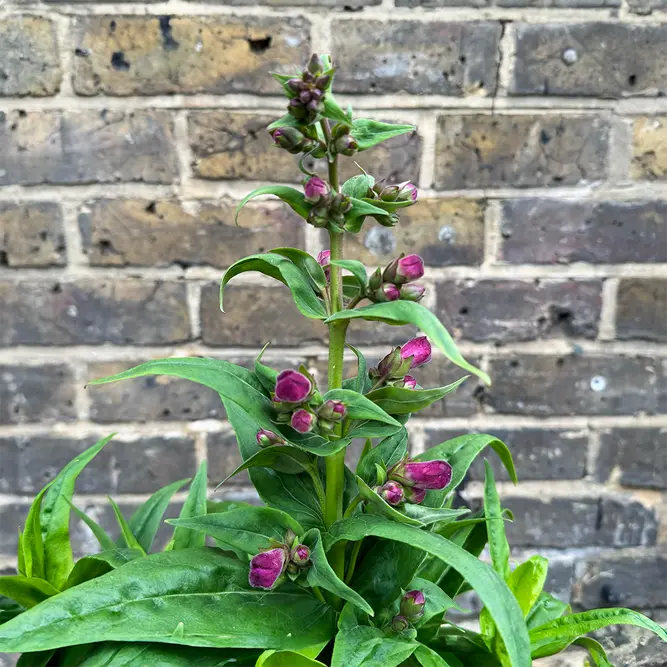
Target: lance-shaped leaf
{"points": [[27, 591], [360, 408], [492, 590], [499, 547], [401, 401], [361, 383], [184, 586], [283, 458], [547, 608], [332, 111], [106, 542], [354, 218], [195, 505], [292, 197], [386, 453], [527, 581], [306, 262], [369, 133], [358, 186], [408, 312], [379, 506], [364, 646], [96, 565], [595, 650], [357, 269], [286, 659], [428, 515], [284, 270], [555, 636], [127, 536], [31, 542], [248, 528]]}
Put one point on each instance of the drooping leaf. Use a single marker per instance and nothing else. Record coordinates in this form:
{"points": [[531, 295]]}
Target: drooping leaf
{"points": [[195, 505], [100, 534], [184, 586], [306, 262], [369, 133], [96, 565], [401, 401], [546, 609], [283, 458], [407, 312], [364, 646], [358, 186], [126, 533], [292, 197], [595, 651], [493, 592]]}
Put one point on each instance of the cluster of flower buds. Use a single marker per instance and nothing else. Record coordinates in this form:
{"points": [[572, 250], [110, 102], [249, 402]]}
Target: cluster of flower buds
{"points": [[411, 611], [408, 481], [309, 91], [405, 193], [392, 369], [396, 281], [270, 567], [343, 142], [294, 141], [328, 209]]}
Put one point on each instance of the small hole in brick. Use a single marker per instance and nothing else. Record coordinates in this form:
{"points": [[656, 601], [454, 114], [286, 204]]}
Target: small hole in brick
{"points": [[515, 363], [112, 26], [22, 113], [118, 62], [560, 362], [632, 80], [4, 258], [166, 412], [151, 207], [57, 288], [259, 45], [463, 310], [43, 235], [82, 53]]}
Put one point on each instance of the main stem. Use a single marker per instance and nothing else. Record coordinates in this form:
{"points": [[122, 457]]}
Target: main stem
{"points": [[335, 465]]}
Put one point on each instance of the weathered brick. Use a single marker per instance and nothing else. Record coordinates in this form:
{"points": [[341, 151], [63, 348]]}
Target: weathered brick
{"points": [[578, 385], [346, 5], [9, 472], [11, 519], [151, 398], [642, 309], [141, 55], [31, 235], [557, 231], [377, 333], [481, 151], [43, 393], [445, 232], [30, 64], [160, 233], [93, 312], [480, 4], [626, 523], [635, 456], [223, 458], [642, 649], [255, 316], [86, 147], [622, 580], [508, 310], [644, 7], [414, 57], [649, 148], [229, 145], [610, 60]]}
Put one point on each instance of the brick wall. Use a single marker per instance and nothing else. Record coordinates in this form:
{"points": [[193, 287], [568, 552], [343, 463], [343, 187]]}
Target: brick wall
{"points": [[127, 134]]}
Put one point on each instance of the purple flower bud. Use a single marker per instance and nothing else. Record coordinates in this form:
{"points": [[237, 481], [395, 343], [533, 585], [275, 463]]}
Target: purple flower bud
{"points": [[292, 387], [404, 270], [296, 108], [412, 292], [346, 145], [414, 495], [400, 624], [391, 493], [267, 567], [419, 349], [295, 85], [305, 96], [323, 259], [303, 421], [301, 555], [332, 410], [409, 382], [407, 192], [315, 189], [412, 605], [423, 474], [387, 292], [266, 438]]}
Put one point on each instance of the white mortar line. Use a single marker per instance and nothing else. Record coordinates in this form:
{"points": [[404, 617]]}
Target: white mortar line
{"points": [[607, 325], [427, 129]]}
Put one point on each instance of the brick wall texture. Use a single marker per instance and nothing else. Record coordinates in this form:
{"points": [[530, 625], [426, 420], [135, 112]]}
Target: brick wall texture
{"points": [[128, 132]]}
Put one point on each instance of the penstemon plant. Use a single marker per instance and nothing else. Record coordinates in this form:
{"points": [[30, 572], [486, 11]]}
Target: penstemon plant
{"points": [[338, 567]]}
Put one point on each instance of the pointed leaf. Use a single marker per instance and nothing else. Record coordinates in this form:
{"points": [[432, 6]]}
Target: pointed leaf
{"points": [[408, 312], [527, 581], [129, 539], [379, 506], [428, 515], [358, 186], [387, 452], [595, 651], [100, 534], [91, 567], [364, 646], [195, 505], [306, 262], [283, 458], [401, 401], [27, 591], [31, 545], [357, 269], [546, 609], [499, 548], [286, 659], [360, 408], [361, 383], [292, 197], [369, 133], [334, 112]]}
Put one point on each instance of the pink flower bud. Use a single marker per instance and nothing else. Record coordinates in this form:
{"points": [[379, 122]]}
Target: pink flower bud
{"points": [[409, 382], [303, 421], [292, 387], [419, 349], [387, 292], [315, 189], [323, 259], [332, 410], [412, 292], [267, 567], [423, 474], [404, 270], [266, 438], [391, 493], [407, 192], [301, 555], [412, 605], [414, 495]]}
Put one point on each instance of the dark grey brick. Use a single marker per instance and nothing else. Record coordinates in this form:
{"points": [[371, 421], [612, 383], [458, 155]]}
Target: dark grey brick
{"points": [[508, 310], [576, 385], [557, 231], [414, 57], [43, 393], [12, 516], [612, 60], [93, 312], [223, 458], [86, 147], [644, 7], [642, 309], [9, 471], [626, 523]]}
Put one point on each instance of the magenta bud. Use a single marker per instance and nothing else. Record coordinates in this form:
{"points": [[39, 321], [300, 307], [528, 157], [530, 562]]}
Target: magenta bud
{"points": [[400, 624], [267, 567], [409, 382], [414, 495], [315, 189], [391, 493], [386, 292], [412, 606], [332, 410], [323, 259], [407, 192], [292, 387], [301, 555], [266, 438], [419, 349], [303, 421], [412, 292], [429, 475], [404, 270]]}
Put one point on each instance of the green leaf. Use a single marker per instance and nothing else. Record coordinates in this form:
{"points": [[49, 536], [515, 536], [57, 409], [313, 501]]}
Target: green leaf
{"points": [[491, 589], [322, 575], [100, 534], [401, 401], [499, 548], [546, 608], [333, 111], [595, 651], [437, 601], [55, 516], [249, 528], [31, 544], [427, 657], [9, 609], [358, 186], [360, 408], [357, 269], [527, 581], [364, 646], [285, 121], [369, 132], [195, 505], [200, 591], [460, 453], [428, 515], [557, 635], [144, 523], [285, 271], [361, 383], [292, 197], [306, 262], [27, 591], [125, 530], [387, 453], [408, 312], [283, 458], [286, 659], [91, 567], [379, 506], [35, 659]]}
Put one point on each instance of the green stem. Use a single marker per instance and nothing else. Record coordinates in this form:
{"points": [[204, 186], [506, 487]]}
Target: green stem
{"points": [[353, 561]]}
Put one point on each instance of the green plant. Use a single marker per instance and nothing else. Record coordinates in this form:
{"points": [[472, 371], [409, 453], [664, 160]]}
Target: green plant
{"points": [[341, 568]]}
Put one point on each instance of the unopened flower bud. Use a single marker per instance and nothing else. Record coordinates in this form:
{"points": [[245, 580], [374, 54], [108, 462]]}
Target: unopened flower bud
{"points": [[400, 624], [404, 270], [322, 82], [387, 292], [295, 85], [315, 190], [412, 606], [346, 145], [297, 109], [292, 387], [332, 410], [267, 567], [324, 259], [407, 192], [340, 203], [389, 220], [300, 555], [266, 438], [291, 140], [315, 65], [409, 382], [391, 367], [375, 280], [414, 495], [430, 475], [303, 421], [318, 216], [391, 493], [412, 292], [419, 349]]}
